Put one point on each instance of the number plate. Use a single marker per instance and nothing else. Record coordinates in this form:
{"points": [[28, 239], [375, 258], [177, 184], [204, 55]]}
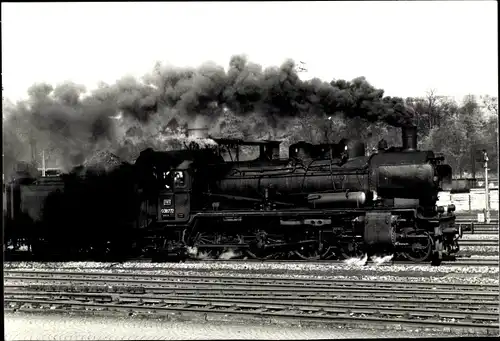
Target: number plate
{"points": [[167, 210], [167, 202]]}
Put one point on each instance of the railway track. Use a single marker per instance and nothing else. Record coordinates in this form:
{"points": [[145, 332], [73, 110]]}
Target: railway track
{"points": [[427, 305], [473, 218], [461, 260], [487, 231], [176, 280], [479, 242], [471, 227]]}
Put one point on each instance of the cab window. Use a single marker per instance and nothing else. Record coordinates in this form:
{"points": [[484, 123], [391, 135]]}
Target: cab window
{"points": [[173, 179], [179, 179]]}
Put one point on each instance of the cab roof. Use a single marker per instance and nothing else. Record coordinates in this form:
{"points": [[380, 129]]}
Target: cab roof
{"points": [[229, 141]]}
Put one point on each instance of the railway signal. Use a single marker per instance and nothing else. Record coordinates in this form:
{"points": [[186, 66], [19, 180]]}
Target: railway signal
{"points": [[486, 187], [480, 154]]}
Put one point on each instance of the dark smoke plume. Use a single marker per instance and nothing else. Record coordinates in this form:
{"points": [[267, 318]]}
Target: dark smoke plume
{"points": [[74, 125], [278, 92]]}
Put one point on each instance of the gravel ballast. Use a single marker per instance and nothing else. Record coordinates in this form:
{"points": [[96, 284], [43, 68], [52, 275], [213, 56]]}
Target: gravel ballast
{"points": [[478, 237], [477, 251], [24, 326], [259, 266]]}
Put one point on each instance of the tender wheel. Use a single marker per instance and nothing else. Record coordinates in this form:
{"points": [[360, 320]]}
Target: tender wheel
{"points": [[421, 249]]}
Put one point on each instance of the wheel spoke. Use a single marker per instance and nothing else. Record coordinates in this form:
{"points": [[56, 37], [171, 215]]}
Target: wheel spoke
{"points": [[420, 250], [350, 249], [307, 255]]}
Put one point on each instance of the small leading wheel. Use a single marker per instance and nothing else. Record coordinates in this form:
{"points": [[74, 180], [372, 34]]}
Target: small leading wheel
{"points": [[421, 249]]}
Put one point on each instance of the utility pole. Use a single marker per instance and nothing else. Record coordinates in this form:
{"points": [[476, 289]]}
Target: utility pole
{"points": [[486, 187], [43, 162]]}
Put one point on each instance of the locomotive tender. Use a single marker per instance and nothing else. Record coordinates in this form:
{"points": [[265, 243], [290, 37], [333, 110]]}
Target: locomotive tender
{"points": [[323, 201]]}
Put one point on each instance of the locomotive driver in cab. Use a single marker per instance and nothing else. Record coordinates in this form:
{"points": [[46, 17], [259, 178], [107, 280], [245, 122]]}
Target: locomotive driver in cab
{"points": [[381, 147]]}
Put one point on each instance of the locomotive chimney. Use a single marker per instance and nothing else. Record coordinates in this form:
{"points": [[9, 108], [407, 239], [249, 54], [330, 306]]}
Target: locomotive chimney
{"points": [[409, 135], [198, 133]]}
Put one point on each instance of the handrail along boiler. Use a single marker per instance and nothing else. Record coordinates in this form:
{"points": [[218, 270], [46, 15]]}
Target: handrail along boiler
{"points": [[323, 201]]}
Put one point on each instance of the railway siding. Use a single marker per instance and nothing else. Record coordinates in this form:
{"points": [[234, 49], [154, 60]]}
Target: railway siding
{"points": [[345, 302], [472, 273]]}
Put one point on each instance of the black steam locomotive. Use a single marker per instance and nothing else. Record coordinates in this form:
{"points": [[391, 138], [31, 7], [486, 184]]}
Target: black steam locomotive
{"points": [[323, 201]]}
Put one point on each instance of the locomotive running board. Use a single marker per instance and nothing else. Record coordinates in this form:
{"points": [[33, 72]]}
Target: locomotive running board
{"points": [[234, 246], [297, 213]]}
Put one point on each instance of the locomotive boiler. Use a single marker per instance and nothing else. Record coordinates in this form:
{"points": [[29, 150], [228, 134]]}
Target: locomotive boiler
{"points": [[339, 175], [323, 201]]}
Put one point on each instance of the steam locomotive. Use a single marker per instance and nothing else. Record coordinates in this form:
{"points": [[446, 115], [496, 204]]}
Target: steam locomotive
{"points": [[323, 201]]}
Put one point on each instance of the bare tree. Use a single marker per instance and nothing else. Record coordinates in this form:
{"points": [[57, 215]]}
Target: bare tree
{"points": [[431, 106], [301, 67]]}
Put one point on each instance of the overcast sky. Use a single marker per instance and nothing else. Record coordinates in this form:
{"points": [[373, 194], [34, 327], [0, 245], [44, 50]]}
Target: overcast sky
{"points": [[405, 48]]}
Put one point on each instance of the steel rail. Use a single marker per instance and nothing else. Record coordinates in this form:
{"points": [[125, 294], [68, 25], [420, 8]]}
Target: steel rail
{"points": [[253, 285], [469, 305], [319, 300], [471, 253], [465, 304], [277, 291], [312, 295], [473, 219], [255, 281], [459, 262], [479, 242], [465, 262], [259, 302], [486, 232], [323, 315]]}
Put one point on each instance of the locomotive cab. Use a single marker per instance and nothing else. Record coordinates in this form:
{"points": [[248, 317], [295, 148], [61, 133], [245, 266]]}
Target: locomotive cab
{"points": [[174, 195], [166, 180]]}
